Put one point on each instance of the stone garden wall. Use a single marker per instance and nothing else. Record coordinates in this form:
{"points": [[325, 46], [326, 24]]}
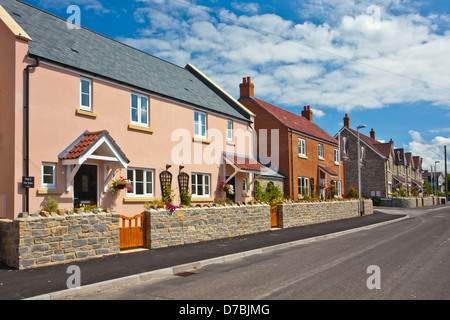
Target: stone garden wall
{"points": [[411, 202], [36, 240], [304, 213], [190, 225]]}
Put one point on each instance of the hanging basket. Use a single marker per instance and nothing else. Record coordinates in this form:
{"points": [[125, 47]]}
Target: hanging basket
{"points": [[121, 186]]}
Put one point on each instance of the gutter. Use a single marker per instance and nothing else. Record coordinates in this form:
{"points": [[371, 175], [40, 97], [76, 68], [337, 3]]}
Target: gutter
{"points": [[27, 128]]}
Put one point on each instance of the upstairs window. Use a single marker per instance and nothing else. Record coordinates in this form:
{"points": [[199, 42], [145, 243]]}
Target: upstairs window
{"points": [[85, 94], [139, 109], [301, 147], [200, 125], [336, 155], [320, 147], [229, 130]]}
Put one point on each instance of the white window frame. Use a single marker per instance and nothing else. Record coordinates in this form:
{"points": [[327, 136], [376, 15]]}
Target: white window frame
{"points": [[139, 110], [195, 183], [244, 186], [303, 183], [146, 193], [200, 124], [48, 185], [83, 107], [301, 147], [320, 150], [336, 156], [229, 130]]}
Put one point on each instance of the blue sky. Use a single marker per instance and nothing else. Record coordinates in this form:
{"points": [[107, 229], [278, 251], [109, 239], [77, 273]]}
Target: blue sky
{"points": [[384, 62]]}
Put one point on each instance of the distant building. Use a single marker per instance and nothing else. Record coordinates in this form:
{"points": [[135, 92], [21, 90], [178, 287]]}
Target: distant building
{"points": [[384, 169]]}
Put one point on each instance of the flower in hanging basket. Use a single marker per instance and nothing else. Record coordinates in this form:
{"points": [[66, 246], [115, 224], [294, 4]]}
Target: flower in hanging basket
{"points": [[121, 183], [227, 188]]}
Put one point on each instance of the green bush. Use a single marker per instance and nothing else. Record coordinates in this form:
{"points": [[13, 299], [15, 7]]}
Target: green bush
{"points": [[51, 205], [376, 201], [185, 198]]}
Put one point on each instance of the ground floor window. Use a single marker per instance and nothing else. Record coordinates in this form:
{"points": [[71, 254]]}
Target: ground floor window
{"points": [[200, 184], [142, 181], [49, 175], [303, 186]]}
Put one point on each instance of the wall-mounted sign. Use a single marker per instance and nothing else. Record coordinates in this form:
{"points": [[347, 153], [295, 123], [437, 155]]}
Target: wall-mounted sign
{"points": [[27, 182]]}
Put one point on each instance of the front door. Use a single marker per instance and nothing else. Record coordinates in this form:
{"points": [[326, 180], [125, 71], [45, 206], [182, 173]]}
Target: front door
{"points": [[85, 186]]}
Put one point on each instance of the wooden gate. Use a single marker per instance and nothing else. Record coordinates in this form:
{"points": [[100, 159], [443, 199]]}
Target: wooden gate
{"points": [[132, 231], [274, 216]]}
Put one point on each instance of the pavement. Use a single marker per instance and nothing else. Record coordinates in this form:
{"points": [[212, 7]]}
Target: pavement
{"points": [[50, 283]]}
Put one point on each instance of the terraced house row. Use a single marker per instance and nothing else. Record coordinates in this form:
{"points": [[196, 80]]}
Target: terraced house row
{"points": [[80, 112]]}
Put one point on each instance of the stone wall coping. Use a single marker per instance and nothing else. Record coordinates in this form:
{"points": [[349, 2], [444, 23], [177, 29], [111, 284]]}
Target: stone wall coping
{"points": [[36, 217]]}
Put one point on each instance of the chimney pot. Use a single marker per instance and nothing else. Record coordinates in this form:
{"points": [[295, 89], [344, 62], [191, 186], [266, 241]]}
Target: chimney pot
{"points": [[307, 113], [346, 121], [247, 88]]}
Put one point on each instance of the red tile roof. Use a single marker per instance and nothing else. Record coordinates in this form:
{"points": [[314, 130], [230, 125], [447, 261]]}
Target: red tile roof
{"points": [[328, 170], [83, 144], [87, 140], [296, 122], [246, 163]]}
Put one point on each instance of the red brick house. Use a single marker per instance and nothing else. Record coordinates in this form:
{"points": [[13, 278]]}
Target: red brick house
{"points": [[307, 155]]}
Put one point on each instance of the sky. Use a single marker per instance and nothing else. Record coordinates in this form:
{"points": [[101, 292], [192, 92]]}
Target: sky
{"points": [[385, 63]]}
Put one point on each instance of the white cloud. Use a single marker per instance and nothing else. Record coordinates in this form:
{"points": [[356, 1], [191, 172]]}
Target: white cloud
{"points": [[86, 4], [430, 151]]}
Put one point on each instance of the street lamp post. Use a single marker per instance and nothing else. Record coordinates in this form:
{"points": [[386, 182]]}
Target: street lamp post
{"points": [[436, 183], [359, 169]]}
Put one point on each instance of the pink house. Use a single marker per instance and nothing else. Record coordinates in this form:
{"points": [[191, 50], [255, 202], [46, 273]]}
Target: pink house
{"points": [[79, 110]]}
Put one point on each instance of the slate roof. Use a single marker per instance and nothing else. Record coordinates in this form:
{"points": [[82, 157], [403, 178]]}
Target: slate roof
{"points": [[382, 148], [86, 50], [295, 121]]}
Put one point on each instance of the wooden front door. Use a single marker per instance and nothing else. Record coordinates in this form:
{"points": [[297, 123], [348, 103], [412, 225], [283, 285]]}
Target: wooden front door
{"points": [[132, 231]]}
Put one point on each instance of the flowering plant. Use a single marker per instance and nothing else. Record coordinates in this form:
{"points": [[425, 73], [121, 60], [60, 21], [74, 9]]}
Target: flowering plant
{"points": [[121, 183], [171, 207], [227, 188]]}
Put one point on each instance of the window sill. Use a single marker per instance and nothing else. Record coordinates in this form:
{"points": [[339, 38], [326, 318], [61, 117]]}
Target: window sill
{"points": [[140, 128], [193, 199], [86, 113], [49, 191], [301, 156], [137, 199], [336, 163], [231, 143], [196, 139], [321, 158]]}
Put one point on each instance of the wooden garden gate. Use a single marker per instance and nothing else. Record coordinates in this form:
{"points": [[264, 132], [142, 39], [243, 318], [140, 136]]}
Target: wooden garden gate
{"points": [[274, 216], [132, 231]]}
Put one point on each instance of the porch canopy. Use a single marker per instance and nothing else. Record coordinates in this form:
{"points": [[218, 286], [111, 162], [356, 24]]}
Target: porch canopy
{"points": [[327, 170], [400, 180], [96, 145], [242, 163]]}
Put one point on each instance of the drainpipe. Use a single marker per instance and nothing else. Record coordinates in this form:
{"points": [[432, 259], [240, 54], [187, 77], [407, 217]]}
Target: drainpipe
{"points": [[27, 128]]}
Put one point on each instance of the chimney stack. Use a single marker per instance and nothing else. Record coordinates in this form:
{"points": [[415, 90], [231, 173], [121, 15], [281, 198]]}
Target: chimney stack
{"points": [[372, 134], [247, 88], [307, 113], [346, 121]]}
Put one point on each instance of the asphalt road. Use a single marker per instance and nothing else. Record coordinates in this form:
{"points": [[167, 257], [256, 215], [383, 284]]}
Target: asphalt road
{"points": [[406, 259]]}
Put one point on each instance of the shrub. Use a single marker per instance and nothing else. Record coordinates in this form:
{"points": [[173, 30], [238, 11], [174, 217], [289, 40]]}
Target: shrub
{"points": [[352, 193], [185, 198], [376, 201], [51, 205]]}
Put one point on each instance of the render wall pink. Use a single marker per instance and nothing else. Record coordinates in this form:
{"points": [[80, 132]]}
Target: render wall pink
{"points": [[55, 123]]}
